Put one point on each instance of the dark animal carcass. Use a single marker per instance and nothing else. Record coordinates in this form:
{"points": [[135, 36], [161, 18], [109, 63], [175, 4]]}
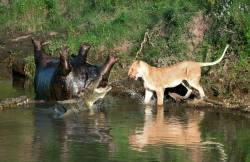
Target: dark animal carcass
{"points": [[65, 78]]}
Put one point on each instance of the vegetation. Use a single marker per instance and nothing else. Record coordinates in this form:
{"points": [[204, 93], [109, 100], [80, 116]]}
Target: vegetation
{"points": [[178, 30]]}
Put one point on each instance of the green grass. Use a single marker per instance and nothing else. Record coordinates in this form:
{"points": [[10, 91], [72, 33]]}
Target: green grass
{"points": [[102, 23]]}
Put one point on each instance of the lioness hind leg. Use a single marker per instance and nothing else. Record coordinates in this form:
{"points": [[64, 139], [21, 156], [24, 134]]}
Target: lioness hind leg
{"points": [[201, 91], [178, 97], [197, 86], [189, 91]]}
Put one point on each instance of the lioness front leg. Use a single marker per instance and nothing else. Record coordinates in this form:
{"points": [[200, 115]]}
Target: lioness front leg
{"points": [[160, 96], [148, 96]]}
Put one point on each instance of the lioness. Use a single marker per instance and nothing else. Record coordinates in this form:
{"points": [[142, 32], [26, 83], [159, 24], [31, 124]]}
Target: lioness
{"points": [[157, 79]]}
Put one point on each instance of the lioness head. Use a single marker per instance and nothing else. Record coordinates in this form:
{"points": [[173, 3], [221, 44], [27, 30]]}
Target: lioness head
{"points": [[135, 70]]}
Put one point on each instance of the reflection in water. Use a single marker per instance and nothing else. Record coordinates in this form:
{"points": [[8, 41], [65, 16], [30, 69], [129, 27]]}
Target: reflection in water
{"points": [[124, 131], [16, 135], [74, 132], [168, 130], [14, 87], [173, 130], [7, 90]]}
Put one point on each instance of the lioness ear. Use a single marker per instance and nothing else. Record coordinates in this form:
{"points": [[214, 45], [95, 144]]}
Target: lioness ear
{"points": [[138, 62]]}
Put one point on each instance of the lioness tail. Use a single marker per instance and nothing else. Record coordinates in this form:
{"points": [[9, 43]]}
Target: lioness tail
{"points": [[215, 62]]}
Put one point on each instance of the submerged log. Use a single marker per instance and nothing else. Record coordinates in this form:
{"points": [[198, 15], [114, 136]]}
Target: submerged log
{"points": [[13, 102], [219, 104], [84, 100]]}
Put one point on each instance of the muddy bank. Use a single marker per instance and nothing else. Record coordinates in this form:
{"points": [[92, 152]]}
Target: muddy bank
{"points": [[118, 91], [136, 90], [16, 51], [16, 56]]}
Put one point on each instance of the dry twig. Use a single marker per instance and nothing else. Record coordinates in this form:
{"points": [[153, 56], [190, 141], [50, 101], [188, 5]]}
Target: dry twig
{"points": [[155, 32], [145, 39]]}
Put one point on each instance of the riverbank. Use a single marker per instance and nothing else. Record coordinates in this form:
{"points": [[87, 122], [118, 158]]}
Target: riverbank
{"points": [[229, 91], [160, 33]]}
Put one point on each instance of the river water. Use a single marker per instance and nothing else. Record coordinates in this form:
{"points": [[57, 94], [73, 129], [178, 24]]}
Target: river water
{"points": [[121, 130]]}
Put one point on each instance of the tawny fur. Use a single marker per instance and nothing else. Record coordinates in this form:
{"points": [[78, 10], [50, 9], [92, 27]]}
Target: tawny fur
{"points": [[157, 79], [159, 129]]}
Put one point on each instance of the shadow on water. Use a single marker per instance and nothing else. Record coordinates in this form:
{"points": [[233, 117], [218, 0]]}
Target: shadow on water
{"points": [[15, 87], [122, 129], [12, 85]]}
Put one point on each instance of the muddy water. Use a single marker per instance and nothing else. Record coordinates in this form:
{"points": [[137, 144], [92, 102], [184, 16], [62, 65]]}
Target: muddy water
{"points": [[122, 130]]}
